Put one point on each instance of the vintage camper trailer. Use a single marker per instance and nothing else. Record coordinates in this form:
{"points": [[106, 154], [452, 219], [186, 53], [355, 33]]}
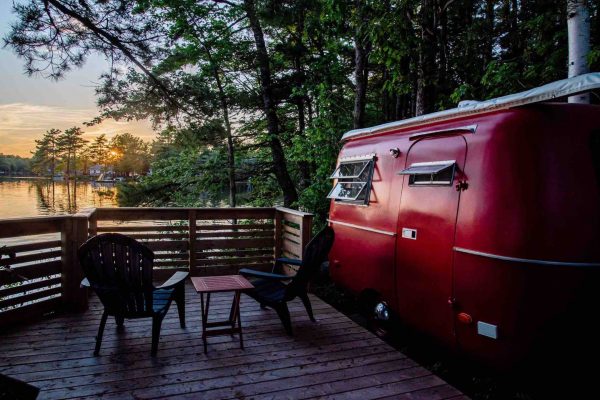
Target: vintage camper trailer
{"points": [[478, 226]]}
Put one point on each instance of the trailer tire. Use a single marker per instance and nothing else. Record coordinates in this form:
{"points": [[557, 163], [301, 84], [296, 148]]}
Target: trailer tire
{"points": [[367, 300]]}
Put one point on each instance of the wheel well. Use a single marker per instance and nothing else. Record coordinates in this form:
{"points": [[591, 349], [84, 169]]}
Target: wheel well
{"points": [[367, 299]]}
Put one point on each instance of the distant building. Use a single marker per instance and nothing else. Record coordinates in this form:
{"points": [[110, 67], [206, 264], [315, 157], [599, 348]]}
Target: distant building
{"points": [[97, 170]]}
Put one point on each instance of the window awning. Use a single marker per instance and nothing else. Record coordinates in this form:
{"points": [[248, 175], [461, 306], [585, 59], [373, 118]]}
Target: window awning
{"points": [[347, 191], [350, 170], [427, 168]]}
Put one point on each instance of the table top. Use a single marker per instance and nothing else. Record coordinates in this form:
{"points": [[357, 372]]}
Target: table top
{"points": [[223, 283]]}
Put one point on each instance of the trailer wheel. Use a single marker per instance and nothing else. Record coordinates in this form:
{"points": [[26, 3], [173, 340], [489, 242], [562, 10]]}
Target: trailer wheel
{"points": [[367, 300]]}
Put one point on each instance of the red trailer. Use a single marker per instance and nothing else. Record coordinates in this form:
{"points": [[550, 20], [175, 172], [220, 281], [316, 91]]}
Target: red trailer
{"points": [[478, 226]]}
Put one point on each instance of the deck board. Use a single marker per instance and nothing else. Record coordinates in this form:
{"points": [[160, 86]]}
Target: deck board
{"points": [[333, 358]]}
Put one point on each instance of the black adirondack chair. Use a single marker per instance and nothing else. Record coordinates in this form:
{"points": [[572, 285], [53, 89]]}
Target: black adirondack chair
{"points": [[119, 269], [276, 289]]}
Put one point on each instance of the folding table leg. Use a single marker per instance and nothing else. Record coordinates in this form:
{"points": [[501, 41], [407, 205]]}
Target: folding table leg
{"points": [[238, 295], [204, 319]]}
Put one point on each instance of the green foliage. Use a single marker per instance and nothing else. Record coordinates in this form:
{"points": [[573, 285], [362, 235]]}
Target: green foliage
{"points": [[202, 86], [130, 154], [14, 165], [188, 177]]}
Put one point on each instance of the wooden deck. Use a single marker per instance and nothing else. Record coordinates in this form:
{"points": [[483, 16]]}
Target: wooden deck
{"points": [[333, 358]]}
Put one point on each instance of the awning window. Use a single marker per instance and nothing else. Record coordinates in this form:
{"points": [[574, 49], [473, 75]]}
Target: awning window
{"points": [[354, 178], [350, 170], [430, 173], [347, 191]]}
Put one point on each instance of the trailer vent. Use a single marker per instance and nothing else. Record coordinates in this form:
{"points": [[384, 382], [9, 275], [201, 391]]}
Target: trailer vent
{"points": [[354, 181], [430, 173]]}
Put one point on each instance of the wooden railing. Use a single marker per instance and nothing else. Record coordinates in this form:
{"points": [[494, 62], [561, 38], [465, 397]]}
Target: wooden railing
{"points": [[40, 273]]}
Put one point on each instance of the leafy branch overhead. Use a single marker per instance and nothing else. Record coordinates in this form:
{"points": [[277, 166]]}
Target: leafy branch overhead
{"points": [[264, 89]]}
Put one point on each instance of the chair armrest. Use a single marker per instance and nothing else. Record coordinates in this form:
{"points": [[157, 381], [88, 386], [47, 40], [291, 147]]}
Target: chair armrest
{"points": [[85, 283], [265, 275], [291, 261], [177, 278]]}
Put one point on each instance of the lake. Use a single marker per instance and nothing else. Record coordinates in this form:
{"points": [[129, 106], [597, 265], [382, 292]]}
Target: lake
{"points": [[32, 197]]}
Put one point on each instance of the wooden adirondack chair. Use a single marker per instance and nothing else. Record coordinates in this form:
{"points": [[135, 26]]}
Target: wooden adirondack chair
{"points": [[271, 289], [119, 269]]}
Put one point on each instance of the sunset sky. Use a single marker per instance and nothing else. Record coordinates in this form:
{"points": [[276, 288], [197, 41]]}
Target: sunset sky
{"points": [[29, 106]]}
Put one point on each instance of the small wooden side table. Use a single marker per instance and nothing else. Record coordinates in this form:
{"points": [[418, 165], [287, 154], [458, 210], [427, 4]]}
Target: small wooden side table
{"points": [[214, 284]]}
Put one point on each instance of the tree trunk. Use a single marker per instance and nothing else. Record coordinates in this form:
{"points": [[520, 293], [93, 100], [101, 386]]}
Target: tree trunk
{"points": [[230, 147], [490, 33], [279, 163], [361, 67], [426, 61], [578, 25]]}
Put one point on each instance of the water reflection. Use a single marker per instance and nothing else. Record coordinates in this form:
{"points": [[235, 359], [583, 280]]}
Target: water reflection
{"points": [[31, 197]]}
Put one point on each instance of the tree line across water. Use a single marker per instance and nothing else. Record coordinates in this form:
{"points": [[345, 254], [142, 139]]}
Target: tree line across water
{"points": [[69, 154], [262, 90], [14, 165]]}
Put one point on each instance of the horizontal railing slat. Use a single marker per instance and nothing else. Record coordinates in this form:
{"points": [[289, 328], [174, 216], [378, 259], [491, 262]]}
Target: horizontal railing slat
{"points": [[240, 260], [15, 227], [234, 243], [233, 234], [219, 227], [289, 230], [30, 257], [231, 269], [166, 245], [26, 286], [157, 236], [141, 228], [26, 312], [22, 248], [234, 253], [169, 263], [29, 297], [39, 270]]}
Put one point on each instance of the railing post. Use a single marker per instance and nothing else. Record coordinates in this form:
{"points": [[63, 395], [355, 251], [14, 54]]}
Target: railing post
{"points": [[73, 234], [278, 221], [92, 223], [305, 231], [192, 240]]}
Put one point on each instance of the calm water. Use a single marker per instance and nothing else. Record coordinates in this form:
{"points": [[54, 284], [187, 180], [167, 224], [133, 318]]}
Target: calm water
{"points": [[31, 197]]}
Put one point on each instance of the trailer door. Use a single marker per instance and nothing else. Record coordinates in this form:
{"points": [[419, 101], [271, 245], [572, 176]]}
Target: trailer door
{"points": [[426, 229]]}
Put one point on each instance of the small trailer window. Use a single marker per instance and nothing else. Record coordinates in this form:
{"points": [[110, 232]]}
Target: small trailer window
{"points": [[430, 173], [354, 181]]}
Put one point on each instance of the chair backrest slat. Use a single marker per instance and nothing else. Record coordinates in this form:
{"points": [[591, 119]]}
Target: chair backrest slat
{"points": [[119, 269], [315, 254]]}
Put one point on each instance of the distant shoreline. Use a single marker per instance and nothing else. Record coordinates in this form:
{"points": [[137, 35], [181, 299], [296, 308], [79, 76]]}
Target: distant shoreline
{"points": [[25, 177]]}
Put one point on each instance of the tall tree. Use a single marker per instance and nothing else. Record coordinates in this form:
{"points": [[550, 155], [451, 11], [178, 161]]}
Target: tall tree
{"points": [[47, 151], [362, 48], [99, 151], [290, 195], [578, 23], [70, 143]]}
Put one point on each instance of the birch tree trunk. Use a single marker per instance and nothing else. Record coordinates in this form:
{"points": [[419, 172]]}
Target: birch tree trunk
{"points": [[578, 26]]}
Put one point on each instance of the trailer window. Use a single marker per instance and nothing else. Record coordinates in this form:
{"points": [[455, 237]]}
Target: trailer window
{"points": [[431, 173], [354, 181]]}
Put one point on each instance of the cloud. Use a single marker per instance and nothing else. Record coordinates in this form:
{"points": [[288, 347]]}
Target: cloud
{"points": [[22, 123]]}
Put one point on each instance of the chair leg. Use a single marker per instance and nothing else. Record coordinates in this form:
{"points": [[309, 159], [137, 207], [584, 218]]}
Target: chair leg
{"points": [[100, 332], [284, 316], [120, 323], [180, 301], [156, 323], [307, 305]]}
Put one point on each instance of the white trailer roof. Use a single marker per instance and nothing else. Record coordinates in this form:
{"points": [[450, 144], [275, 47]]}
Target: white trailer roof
{"points": [[562, 88]]}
